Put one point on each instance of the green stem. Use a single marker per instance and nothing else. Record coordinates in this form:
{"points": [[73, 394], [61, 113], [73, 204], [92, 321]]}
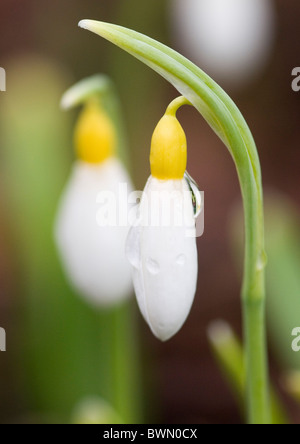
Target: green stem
{"points": [[254, 328], [253, 308], [127, 381], [225, 119], [176, 104]]}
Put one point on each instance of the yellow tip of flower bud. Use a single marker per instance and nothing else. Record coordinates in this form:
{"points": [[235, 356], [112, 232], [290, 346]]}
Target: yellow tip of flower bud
{"points": [[168, 154], [94, 135]]}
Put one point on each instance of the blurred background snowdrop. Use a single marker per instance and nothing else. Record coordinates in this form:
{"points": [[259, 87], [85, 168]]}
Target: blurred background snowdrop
{"points": [[230, 39], [93, 255]]}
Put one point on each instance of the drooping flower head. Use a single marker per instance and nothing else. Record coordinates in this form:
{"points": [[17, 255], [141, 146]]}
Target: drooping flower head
{"points": [[93, 255], [161, 247]]}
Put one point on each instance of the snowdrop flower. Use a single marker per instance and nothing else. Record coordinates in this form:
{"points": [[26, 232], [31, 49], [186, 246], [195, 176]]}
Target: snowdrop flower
{"points": [[93, 256], [161, 246], [231, 39]]}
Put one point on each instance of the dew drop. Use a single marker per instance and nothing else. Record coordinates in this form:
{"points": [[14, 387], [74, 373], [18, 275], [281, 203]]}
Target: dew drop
{"points": [[180, 260], [196, 194], [152, 266]]}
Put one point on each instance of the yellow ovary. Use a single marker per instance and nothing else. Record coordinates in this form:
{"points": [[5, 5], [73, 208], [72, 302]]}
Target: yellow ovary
{"points": [[94, 135], [168, 154]]}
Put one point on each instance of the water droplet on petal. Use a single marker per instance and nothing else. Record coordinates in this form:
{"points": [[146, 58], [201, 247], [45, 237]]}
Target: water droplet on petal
{"points": [[196, 194], [180, 260], [152, 266]]}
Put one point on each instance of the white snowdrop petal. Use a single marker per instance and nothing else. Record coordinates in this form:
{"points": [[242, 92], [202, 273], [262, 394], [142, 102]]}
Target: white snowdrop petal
{"points": [[133, 253], [231, 39], [164, 259], [93, 255]]}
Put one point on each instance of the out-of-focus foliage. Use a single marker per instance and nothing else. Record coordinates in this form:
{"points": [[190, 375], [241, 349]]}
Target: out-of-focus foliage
{"points": [[283, 277], [282, 222], [68, 351], [230, 357]]}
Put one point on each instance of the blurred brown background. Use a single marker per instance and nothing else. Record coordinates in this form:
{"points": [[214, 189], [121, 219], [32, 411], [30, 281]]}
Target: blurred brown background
{"points": [[186, 379]]}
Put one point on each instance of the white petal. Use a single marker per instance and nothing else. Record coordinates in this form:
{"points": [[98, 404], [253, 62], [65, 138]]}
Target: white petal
{"points": [[164, 258], [93, 255]]}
